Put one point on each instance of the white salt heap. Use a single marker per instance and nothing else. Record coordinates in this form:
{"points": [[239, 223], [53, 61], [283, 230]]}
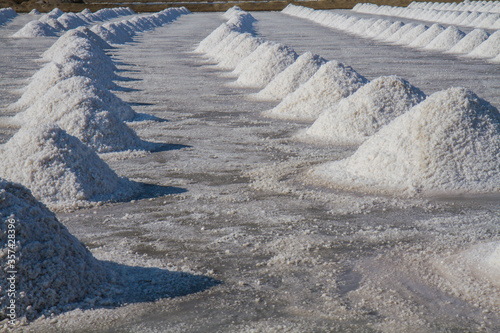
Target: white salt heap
{"points": [[332, 82], [411, 35], [262, 65], [59, 169], [472, 40], [398, 34], [446, 39], [75, 105], [34, 12], [449, 143], [357, 117], [238, 51], [35, 29], [85, 89], [54, 269], [426, 37], [490, 48], [292, 77], [391, 30]]}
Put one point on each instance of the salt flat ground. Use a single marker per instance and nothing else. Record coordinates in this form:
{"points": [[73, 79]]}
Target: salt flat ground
{"points": [[290, 257]]}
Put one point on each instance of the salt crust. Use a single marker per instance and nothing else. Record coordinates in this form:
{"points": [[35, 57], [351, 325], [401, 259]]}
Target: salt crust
{"points": [[59, 169], [332, 82], [354, 119], [292, 77], [449, 143]]}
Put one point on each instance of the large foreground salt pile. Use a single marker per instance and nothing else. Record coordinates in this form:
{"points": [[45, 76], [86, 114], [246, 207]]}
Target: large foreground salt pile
{"points": [[87, 111], [262, 65], [292, 77], [449, 143], [332, 82], [357, 117], [59, 169], [53, 269]]}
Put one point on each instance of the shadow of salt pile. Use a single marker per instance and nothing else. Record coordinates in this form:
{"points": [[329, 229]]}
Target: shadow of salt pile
{"points": [[150, 191], [56, 273]]}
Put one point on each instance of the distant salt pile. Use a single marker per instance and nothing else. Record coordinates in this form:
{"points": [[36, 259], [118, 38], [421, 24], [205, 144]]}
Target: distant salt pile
{"points": [[426, 37], [262, 65], [332, 82], [446, 39], [377, 28], [56, 21], [396, 36], [239, 21], [80, 107], [391, 30], [412, 34], [357, 117], [490, 48], [89, 89], [34, 12], [59, 169], [35, 29], [221, 47], [292, 77], [67, 37], [54, 269], [7, 14], [240, 48], [472, 40], [449, 143]]}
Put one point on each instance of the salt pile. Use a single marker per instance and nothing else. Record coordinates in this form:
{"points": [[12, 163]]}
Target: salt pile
{"points": [[332, 82], [490, 48], [6, 14], [70, 21], [35, 29], [240, 51], [54, 269], [426, 37], [262, 65], [75, 105], [472, 40], [80, 32], [34, 12], [292, 77], [446, 39], [394, 38], [412, 34], [391, 30], [59, 169], [357, 117], [84, 89], [449, 143]]}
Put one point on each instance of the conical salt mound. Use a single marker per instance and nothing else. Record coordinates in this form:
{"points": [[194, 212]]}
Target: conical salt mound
{"points": [[332, 82], [292, 77], [52, 74], [59, 169], [81, 32], [446, 39], [72, 105], [53, 269], [239, 50], [411, 35], [472, 40], [426, 37], [35, 29], [400, 33], [214, 38], [215, 52], [391, 30], [447, 144], [262, 65], [357, 117], [490, 48]]}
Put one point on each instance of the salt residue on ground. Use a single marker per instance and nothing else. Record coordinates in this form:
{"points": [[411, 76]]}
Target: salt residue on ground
{"points": [[292, 77], [59, 169], [447, 144], [357, 117], [332, 82]]}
